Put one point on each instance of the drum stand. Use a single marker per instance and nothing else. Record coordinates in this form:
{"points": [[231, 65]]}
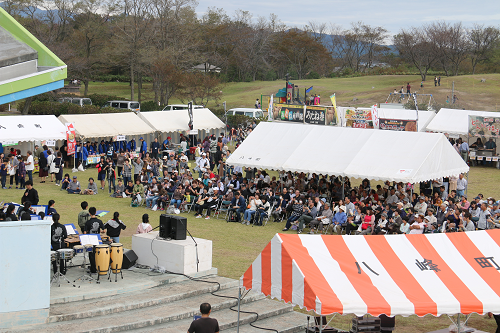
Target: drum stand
{"points": [[116, 274], [57, 276], [85, 277]]}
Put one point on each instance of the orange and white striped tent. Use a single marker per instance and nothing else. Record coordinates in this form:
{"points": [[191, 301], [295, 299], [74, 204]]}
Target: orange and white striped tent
{"points": [[394, 274]]}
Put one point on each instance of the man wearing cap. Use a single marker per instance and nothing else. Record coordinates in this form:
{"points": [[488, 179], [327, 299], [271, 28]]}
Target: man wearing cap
{"points": [[420, 206], [338, 220], [418, 226], [144, 147], [203, 164], [74, 186]]}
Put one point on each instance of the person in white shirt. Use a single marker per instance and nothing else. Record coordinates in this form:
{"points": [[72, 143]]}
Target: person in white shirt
{"points": [[420, 206], [30, 165], [418, 226], [461, 185], [203, 164]]}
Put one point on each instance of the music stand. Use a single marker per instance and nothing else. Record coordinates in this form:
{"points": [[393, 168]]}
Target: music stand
{"points": [[85, 239]]}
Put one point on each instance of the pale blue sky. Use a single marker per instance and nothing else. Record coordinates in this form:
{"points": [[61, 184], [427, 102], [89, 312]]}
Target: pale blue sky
{"points": [[390, 14]]}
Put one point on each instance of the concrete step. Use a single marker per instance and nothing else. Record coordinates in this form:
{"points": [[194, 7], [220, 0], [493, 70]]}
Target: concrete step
{"points": [[136, 300], [145, 317], [290, 322], [228, 319]]}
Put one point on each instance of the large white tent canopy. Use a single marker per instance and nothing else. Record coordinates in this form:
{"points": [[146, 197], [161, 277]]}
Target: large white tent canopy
{"points": [[421, 274], [107, 124], [178, 120], [453, 121], [31, 128], [361, 153]]}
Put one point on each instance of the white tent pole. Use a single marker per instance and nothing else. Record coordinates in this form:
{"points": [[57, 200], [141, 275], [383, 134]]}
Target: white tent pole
{"points": [[239, 301]]}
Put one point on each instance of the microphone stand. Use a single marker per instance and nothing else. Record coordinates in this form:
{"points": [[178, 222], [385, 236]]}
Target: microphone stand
{"points": [[195, 245], [153, 229]]}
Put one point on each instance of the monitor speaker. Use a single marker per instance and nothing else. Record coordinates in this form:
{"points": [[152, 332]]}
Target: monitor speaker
{"points": [[129, 259], [178, 226], [165, 225]]}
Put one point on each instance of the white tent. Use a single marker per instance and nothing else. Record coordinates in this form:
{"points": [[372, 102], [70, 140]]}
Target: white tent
{"points": [[31, 128], [361, 153], [424, 117], [178, 120], [453, 121], [107, 124]]}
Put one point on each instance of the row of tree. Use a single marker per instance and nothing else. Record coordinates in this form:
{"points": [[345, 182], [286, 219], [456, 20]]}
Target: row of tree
{"points": [[162, 40]]}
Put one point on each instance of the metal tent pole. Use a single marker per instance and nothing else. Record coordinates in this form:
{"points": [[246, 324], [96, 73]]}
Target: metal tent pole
{"points": [[239, 301]]}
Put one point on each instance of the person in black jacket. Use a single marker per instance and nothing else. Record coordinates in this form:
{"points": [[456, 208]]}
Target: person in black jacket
{"points": [[114, 227], [93, 225], [30, 194], [57, 235]]}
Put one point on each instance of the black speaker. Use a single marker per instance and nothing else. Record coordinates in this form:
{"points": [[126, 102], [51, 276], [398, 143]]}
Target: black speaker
{"points": [[165, 225], [129, 259], [178, 226]]}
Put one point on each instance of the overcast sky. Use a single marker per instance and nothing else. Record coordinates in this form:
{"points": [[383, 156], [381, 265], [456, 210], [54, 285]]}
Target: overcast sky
{"points": [[390, 14]]}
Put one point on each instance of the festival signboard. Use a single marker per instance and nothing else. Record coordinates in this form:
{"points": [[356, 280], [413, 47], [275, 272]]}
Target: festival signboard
{"points": [[286, 112], [398, 125], [315, 115], [484, 126], [70, 138], [358, 118]]}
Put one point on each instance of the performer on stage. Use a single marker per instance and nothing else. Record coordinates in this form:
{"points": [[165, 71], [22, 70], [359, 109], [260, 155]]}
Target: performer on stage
{"points": [[57, 235], [93, 225], [144, 227]]}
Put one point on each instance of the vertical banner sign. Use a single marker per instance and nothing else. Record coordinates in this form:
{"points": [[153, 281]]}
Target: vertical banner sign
{"points": [[484, 126], [190, 112], [70, 138], [375, 116], [270, 109], [358, 118], [288, 93]]}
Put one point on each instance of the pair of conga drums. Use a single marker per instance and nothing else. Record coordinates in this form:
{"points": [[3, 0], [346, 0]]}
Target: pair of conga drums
{"points": [[107, 257]]}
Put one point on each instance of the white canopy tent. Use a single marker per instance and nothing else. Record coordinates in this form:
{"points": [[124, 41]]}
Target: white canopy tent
{"points": [[31, 128], [424, 117], [178, 120], [453, 121], [107, 124], [360, 153]]}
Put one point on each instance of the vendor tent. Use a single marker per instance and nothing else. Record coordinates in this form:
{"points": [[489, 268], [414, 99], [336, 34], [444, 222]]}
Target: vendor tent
{"points": [[31, 128], [107, 124], [419, 274], [424, 117], [453, 121], [361, 153], [178, 120]]}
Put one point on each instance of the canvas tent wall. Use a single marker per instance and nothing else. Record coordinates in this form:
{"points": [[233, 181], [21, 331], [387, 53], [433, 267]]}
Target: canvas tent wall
{"points": [[455, 122], [30, 129], [172, 122], [106, 125], [351, 152], [419, 274]]}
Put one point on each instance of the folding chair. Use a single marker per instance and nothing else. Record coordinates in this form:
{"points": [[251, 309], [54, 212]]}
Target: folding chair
{"points": [[268, 216], [223, 207], [192, 203]]}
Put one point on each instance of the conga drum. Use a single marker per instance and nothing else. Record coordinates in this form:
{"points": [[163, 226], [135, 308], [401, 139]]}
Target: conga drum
{"points": [[116, 257], [102, 257]]}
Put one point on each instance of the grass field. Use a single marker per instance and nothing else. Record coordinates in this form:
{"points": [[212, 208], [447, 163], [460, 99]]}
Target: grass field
{"points": [[367, 90], [234, 246]]}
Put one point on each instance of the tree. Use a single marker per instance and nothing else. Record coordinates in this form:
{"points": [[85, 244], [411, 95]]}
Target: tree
{"points": [[483, 41], [201, 88], [450, 44]]}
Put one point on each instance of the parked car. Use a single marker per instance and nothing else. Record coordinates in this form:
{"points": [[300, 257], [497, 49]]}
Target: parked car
{"points": [[173, 107], [253, 113], [76, 100], [125, 105]]}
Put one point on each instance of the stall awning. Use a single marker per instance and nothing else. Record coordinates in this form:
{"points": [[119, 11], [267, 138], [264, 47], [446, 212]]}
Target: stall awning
{"points": [[31, 128], [178, 120], [107, 124], [453, 121], [361, 153], [422, 274]]}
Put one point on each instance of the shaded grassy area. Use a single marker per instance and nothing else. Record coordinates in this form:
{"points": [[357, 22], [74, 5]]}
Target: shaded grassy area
{"points": [[357, 91], [236, 246]]}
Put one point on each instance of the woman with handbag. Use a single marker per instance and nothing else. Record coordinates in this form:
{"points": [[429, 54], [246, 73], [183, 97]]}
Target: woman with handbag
{"points": [[59, 165]]}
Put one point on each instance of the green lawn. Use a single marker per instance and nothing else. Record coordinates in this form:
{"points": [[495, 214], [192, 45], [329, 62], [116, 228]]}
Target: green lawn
{"points": [[234, 246], [359, 91]]}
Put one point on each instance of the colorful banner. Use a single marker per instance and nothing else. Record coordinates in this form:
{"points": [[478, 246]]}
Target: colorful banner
{"points": [[315, 115], [484, 126], [398, 125], [286, 112], [375, 116], [358, 118], [270, 109], [70, 138]]}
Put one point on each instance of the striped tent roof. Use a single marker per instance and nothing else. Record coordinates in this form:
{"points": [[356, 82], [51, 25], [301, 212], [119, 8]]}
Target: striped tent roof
{"points": [[393, 274]]}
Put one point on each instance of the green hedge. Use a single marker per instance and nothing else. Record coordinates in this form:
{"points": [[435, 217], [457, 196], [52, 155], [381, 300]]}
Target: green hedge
{"points": [[100, 100]]}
